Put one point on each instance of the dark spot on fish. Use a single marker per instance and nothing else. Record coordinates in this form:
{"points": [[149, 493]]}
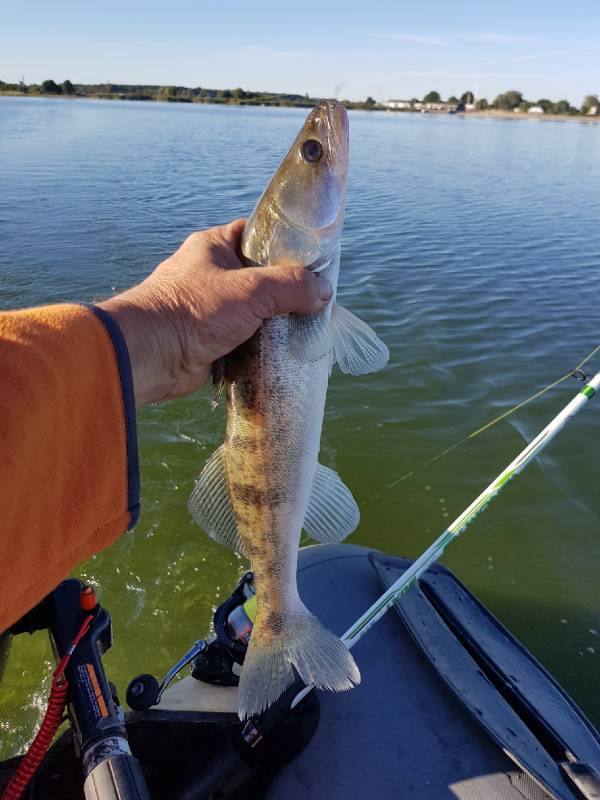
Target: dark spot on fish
{"points": [[246, 392], [248, 494], [270, 566], [254, 496], [275, 621]]}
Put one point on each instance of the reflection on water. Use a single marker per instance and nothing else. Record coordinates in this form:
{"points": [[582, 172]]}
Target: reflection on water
{"points": [[471, 246]]}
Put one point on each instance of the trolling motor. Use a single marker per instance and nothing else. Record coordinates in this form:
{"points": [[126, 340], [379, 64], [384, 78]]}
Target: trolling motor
{"points": [[183, 754], [80, 633]]}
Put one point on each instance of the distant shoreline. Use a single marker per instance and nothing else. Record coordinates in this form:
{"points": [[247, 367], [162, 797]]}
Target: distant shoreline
{"points": [[497, 114], [488, 113]]}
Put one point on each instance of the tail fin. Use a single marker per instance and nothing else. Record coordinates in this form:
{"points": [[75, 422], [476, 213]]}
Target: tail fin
{"points": [[320, 658]]}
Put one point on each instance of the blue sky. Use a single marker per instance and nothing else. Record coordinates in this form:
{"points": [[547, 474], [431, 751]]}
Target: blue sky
{"points": [[545, 48]]}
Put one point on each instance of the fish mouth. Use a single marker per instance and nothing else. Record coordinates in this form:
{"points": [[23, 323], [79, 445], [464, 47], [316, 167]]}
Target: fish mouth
{"points": [[335, 119]]}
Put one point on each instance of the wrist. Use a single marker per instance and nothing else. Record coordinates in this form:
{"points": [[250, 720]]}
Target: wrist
{"points": [[145, 330]]}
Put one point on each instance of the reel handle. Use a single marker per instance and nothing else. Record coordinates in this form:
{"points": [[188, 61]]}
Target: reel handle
{"points": [[144, 691]]}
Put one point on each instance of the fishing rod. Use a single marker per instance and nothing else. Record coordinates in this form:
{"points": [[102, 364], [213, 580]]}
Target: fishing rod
{"points": [[434, 552]]}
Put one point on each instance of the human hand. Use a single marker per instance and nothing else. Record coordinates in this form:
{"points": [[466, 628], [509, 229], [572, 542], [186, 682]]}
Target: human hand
{"points": [[200, 304]]}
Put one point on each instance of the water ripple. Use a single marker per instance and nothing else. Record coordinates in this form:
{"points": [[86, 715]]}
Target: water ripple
{"points": [[472, 248]]}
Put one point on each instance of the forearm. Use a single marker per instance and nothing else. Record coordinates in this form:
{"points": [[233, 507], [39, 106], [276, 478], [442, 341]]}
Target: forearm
{"points": [[69, 482]]}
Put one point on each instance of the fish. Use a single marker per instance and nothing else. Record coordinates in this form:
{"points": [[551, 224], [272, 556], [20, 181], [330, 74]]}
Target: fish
{"points": [[265, 484]]}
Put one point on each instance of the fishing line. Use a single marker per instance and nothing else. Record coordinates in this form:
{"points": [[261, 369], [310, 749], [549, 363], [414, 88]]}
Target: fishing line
{"points": [[435, 550], [577, 373]]}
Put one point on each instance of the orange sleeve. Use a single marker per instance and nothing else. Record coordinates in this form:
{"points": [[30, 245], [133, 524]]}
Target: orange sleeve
{"points": [[69, 482]]}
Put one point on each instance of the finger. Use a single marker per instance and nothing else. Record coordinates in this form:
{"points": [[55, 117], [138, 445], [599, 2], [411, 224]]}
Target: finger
{"points": [[287, 290], [230, 235], [221, 242], [224, 244], [234, 229]]}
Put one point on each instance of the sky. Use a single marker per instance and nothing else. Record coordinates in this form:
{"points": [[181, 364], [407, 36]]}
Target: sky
{"points": [[383, 48]]}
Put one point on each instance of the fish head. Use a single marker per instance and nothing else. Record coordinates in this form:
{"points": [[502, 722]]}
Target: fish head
{"points": [[299, 217]]}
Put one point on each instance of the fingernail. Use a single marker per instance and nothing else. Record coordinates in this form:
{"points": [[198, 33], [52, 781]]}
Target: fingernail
{"points": [[325, 290]]}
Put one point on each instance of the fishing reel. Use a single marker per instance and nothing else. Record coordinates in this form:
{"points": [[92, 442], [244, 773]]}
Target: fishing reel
{"points": [[216, 661], [248, 753], [284, 728]]}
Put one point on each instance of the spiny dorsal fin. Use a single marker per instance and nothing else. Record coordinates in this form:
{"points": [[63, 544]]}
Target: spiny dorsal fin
{"points": [[218, 380]]}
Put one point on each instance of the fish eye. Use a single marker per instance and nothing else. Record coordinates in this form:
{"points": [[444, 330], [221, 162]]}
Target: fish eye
{"points": [[312, 151]]}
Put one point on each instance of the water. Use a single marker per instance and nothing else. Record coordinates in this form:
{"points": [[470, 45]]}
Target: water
{"points": [[471, 246]]}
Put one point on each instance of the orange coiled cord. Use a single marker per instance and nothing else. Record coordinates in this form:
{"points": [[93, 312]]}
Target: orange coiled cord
{"points": [[52, 718]]}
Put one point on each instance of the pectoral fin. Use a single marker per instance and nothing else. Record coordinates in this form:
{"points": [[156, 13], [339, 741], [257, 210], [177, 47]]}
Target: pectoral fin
{"points": [[308, 336], [350, 341], [210, 505], [332, 513], [358, 350]]}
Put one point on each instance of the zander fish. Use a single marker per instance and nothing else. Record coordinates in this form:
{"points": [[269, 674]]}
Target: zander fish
{"points": [[264, 484]]}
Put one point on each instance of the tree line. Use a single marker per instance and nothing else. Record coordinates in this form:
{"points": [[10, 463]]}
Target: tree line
{"points": [[507, 101], [514, 100], [173, 94]]}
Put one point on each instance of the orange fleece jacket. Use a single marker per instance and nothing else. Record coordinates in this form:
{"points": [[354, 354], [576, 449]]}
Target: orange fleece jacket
{"points": [[69, 481]]}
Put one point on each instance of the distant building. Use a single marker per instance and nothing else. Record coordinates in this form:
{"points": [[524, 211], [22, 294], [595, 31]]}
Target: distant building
{"points": [[417, 105], [470, 107], [439, 107], [403, 105], [592, 111], [535, 110]]}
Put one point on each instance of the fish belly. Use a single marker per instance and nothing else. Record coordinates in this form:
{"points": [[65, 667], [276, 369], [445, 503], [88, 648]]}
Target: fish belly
{"points": [[275, 414]]}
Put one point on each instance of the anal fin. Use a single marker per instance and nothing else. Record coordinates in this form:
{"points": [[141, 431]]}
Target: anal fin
{"points": [[332, 513]]}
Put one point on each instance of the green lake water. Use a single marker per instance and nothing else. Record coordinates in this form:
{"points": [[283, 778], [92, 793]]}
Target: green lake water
{"points": [[471, 246]]}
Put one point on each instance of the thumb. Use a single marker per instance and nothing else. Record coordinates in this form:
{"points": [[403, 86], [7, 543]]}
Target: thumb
{"points": [[287, 290]]}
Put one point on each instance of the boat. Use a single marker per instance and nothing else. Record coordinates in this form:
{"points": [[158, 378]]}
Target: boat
{"points": [[451, 705]]}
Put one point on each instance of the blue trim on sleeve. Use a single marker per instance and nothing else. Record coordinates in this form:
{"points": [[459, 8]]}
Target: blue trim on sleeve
{"points": [[124, 364]]}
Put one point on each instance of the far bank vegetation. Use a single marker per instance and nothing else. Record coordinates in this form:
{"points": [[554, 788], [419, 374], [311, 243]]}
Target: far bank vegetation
{"points": [[511, 101]]}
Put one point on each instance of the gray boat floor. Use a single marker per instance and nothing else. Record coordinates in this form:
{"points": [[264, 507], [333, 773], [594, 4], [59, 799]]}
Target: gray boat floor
{"points": [[400, 733]]}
